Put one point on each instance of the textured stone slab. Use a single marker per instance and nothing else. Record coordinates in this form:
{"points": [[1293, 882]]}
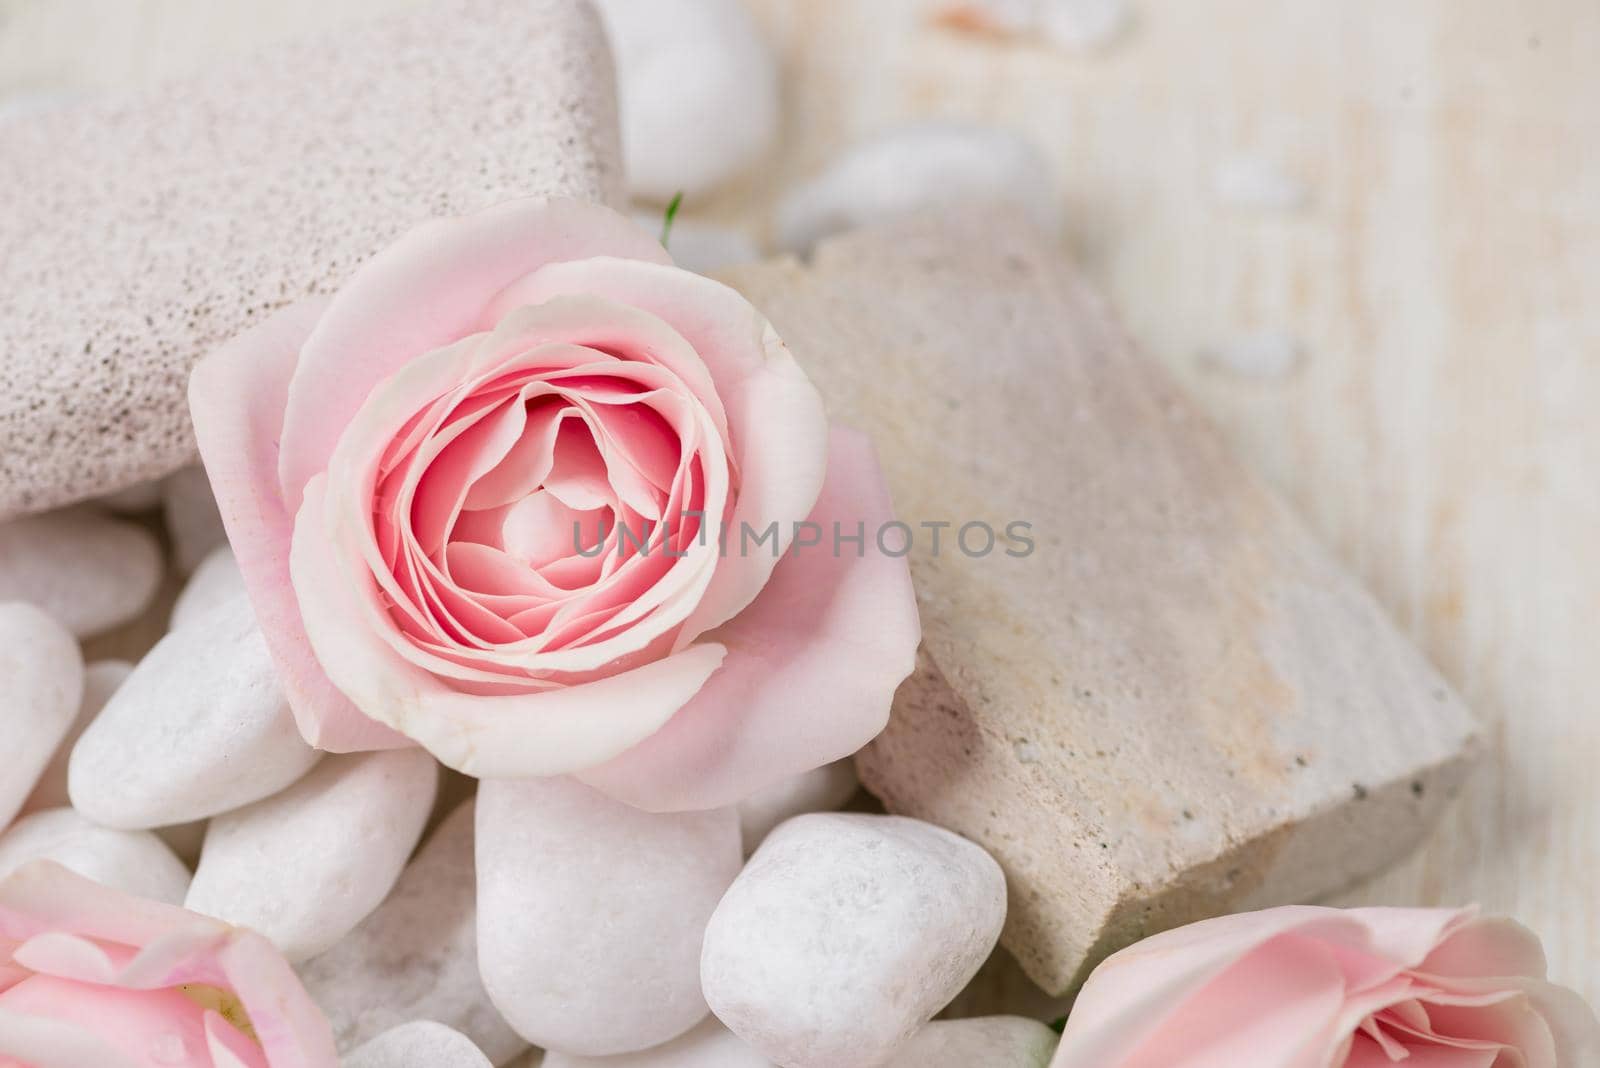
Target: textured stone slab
{"points": [[141, 230], [1178, 704]]}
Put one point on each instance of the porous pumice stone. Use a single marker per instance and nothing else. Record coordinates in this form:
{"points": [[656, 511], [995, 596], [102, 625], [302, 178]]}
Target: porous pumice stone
{"points": [[216, 580], [697, 89], [209, 202], [306, 865], [419, 1044], [1002, 1041], [192, 517], [416, 956], [590, 913], [818, 790], [100, 681], [845, 933], [707, 1045], [201, 726], [135, 862], [90, 571], [41, 689], [906, 169]]}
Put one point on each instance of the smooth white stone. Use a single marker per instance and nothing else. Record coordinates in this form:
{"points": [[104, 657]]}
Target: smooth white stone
{"points": [[1251, 181], [200, 727], [90, 571], [192, 518], [702, 247], [818, 790], [416, 957], [1076, 25], [420, 1044], [304, 866], [590, 913], [139, 497], [697, 92], [1012, 1041], [708, 1045], [1257, 354], [135, 862], [845, 934], [921, 165], [216, 580], [100, 681], [41, 688]]}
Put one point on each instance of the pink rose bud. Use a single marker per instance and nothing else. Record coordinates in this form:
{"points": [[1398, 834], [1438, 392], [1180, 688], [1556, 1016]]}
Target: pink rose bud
{"points": [[1311, 987], [525, 493], [94, 978]]}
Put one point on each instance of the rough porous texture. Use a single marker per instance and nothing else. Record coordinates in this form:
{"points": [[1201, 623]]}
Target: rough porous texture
{"points": [[1178, 704], [141, 230]]}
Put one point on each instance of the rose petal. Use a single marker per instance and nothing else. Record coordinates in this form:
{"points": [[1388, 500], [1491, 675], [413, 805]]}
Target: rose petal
{"points": [[426, 290], [812, 664], [236, 396]]}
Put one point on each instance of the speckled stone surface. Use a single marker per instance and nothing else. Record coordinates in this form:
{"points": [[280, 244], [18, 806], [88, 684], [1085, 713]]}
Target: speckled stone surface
{"points": [[141, 230]]}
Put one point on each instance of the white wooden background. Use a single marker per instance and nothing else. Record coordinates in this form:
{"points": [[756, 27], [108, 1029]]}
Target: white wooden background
{"points": [[1442, 430]]}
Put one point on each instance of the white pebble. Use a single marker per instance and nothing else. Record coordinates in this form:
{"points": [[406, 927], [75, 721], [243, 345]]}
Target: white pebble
{"points": [[1257, 354], [590, 913], [200, 727], [708, 1045], [1012, 1041], [100, 681], [90, 571], [416, 957], [131, 500], [942, 164], [818, 790], [1248, 181], [1075, 25], [192, 518], [697, 93], [420, 1044], [304, 866], [216, 580], [702, 247], [135, 862], [845, 934], [41, 689]]}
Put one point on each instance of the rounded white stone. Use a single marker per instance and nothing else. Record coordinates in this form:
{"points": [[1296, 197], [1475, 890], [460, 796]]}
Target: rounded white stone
{"points": [[818, 790], [697, 92], [135, 862], [702, 247], [1075, 25], [216, 580], [845, 933], [41, 688], [917, 166], [419, 1044], [90, 571], [192, 517], [1012, 1041], [707, 1045], [416, 957], [100, 681], [304, 866], [590, 913], [200, 727]]}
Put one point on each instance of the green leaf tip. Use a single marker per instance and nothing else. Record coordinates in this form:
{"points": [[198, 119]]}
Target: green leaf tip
{"points": [[672, 213]]}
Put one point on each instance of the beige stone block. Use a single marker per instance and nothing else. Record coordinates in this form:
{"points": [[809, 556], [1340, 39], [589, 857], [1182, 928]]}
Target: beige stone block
{"points": [[142, 229], [1178, 704]]}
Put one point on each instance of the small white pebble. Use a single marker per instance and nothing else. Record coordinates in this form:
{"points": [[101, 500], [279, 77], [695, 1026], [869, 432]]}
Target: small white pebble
{"points": [[1256, 354], [702, 247], [216, 580], [192, 518], [420, 1044], [89, 571], [1012, 1041], [100, 681], [818, 790], [943, 164], [1074, 25], [41, 690], [135, 862], [707, 1045], [1250, 181], [697, 90]]}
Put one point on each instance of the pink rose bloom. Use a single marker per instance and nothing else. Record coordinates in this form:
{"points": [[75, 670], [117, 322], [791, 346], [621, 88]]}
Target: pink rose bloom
{"points": [[1331, 988], [477, 498], [94, 978]]}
